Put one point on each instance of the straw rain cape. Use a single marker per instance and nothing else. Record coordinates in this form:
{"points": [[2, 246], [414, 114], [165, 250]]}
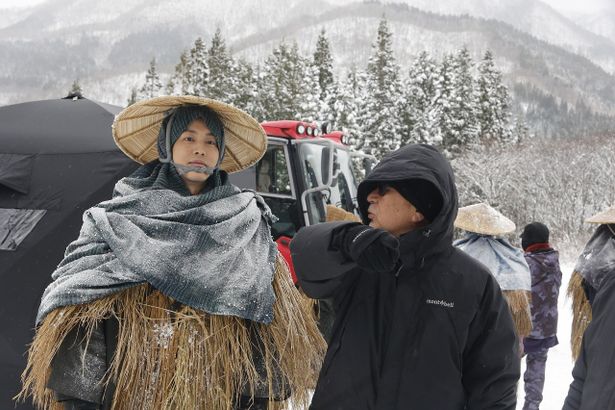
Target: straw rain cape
{"points": [[593, 265], [507, 264], [598, 258], [212, 251], [205, 308]]}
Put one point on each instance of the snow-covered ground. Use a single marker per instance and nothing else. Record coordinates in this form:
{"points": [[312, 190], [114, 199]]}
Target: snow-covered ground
{"points": [[559, 361]]}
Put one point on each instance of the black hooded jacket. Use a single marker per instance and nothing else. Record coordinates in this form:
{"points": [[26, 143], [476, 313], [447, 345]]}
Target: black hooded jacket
{"points": [[435, 333]]}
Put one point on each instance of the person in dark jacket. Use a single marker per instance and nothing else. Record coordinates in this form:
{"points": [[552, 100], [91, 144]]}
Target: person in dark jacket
{"points": [[543, 261], [419, 324], [593, 385]]}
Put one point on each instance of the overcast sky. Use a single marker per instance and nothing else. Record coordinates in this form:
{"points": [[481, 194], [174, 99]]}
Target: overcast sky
{"points": [[579, 6], [562, 5], [18, 3]]}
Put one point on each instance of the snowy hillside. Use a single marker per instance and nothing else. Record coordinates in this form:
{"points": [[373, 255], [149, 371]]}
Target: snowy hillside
{"points": [[107, 45], [565, 75], [536, 18], [602, 24]]}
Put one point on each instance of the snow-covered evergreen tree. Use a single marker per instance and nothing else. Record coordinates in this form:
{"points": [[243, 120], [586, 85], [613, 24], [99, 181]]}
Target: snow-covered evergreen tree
{"points": [[328, 88], [288, 86], [279, 87], [379, 117], [493, 103], [244, 86], [348, 106], [323, 62], [262, 96], [445, 95], [152, 85], [428, 130], [310, 103], [220, 84], [461, 116], [197, 72], [133, 98], [418, 99], [75, 88], [326, 104], [179, 83]]}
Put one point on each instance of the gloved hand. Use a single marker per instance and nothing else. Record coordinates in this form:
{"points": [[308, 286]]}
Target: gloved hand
{"points": [[372, 249]]}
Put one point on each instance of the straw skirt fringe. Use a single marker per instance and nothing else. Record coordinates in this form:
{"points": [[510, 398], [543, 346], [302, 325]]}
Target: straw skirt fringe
{"points": [[581, 312], [519, 305], [181, 358]]}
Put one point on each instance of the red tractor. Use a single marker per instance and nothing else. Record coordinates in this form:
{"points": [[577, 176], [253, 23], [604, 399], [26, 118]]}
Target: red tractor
{"points": [[302, 171]]}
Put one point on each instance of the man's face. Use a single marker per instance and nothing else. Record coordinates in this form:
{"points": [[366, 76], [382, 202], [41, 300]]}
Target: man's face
{"points": [[390, 211], [196, 147]]}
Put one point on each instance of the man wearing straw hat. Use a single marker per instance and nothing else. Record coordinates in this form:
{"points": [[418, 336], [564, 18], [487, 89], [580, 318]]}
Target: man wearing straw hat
{"points": [[484, 241], [174, 295], [543, 261], [592, 286], [418, 323]]}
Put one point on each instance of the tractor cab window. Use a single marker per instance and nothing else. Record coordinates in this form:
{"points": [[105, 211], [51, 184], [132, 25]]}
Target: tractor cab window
{"points": [[272, 172], [311, 164], [342, 192], [271, 178]]}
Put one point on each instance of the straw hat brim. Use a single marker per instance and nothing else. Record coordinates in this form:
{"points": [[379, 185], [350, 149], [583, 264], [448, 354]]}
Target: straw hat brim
{"points": [[136, 128], [483, 219], [604, 217]]}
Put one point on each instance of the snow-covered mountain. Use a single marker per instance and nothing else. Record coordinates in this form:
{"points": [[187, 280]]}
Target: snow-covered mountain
{"points": [[602, 23], [538, 19], [107, 44]]}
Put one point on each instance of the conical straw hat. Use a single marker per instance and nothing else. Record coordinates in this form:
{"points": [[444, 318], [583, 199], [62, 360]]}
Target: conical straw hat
{"points": [[604, 217], [483, 219], [135, 130]]}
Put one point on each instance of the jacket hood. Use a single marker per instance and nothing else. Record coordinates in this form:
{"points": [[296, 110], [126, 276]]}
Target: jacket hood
{"points": [[418, 161]]}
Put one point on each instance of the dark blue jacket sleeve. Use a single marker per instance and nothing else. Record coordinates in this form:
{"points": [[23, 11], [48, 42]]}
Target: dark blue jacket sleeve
{"points": [[319, 268]]}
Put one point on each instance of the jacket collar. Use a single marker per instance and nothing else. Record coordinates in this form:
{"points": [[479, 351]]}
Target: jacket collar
{"points": [[538, 247], [416, 248]]}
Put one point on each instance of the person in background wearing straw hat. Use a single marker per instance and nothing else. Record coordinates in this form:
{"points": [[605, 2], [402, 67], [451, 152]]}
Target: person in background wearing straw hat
{"points": [[543, 261], [592, 287], [418, 323], [484, 242], [174, 296]]}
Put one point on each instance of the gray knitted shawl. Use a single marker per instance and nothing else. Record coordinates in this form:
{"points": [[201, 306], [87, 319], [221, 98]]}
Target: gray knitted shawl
{"points": [[211, 251]]}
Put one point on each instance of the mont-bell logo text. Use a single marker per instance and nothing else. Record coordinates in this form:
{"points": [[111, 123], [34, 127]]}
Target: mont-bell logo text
{"points": [[440, 302]]}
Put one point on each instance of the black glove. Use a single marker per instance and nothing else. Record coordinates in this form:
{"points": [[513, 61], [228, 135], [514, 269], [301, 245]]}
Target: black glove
{"points": [[372, 249]]}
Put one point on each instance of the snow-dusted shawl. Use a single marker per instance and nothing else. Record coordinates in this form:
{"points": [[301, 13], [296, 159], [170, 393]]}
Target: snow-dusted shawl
{"points": [[506, 263], [211, 251]]}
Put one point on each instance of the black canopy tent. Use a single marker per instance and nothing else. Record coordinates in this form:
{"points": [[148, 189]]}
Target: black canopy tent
{"points": [[57, 158]]}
